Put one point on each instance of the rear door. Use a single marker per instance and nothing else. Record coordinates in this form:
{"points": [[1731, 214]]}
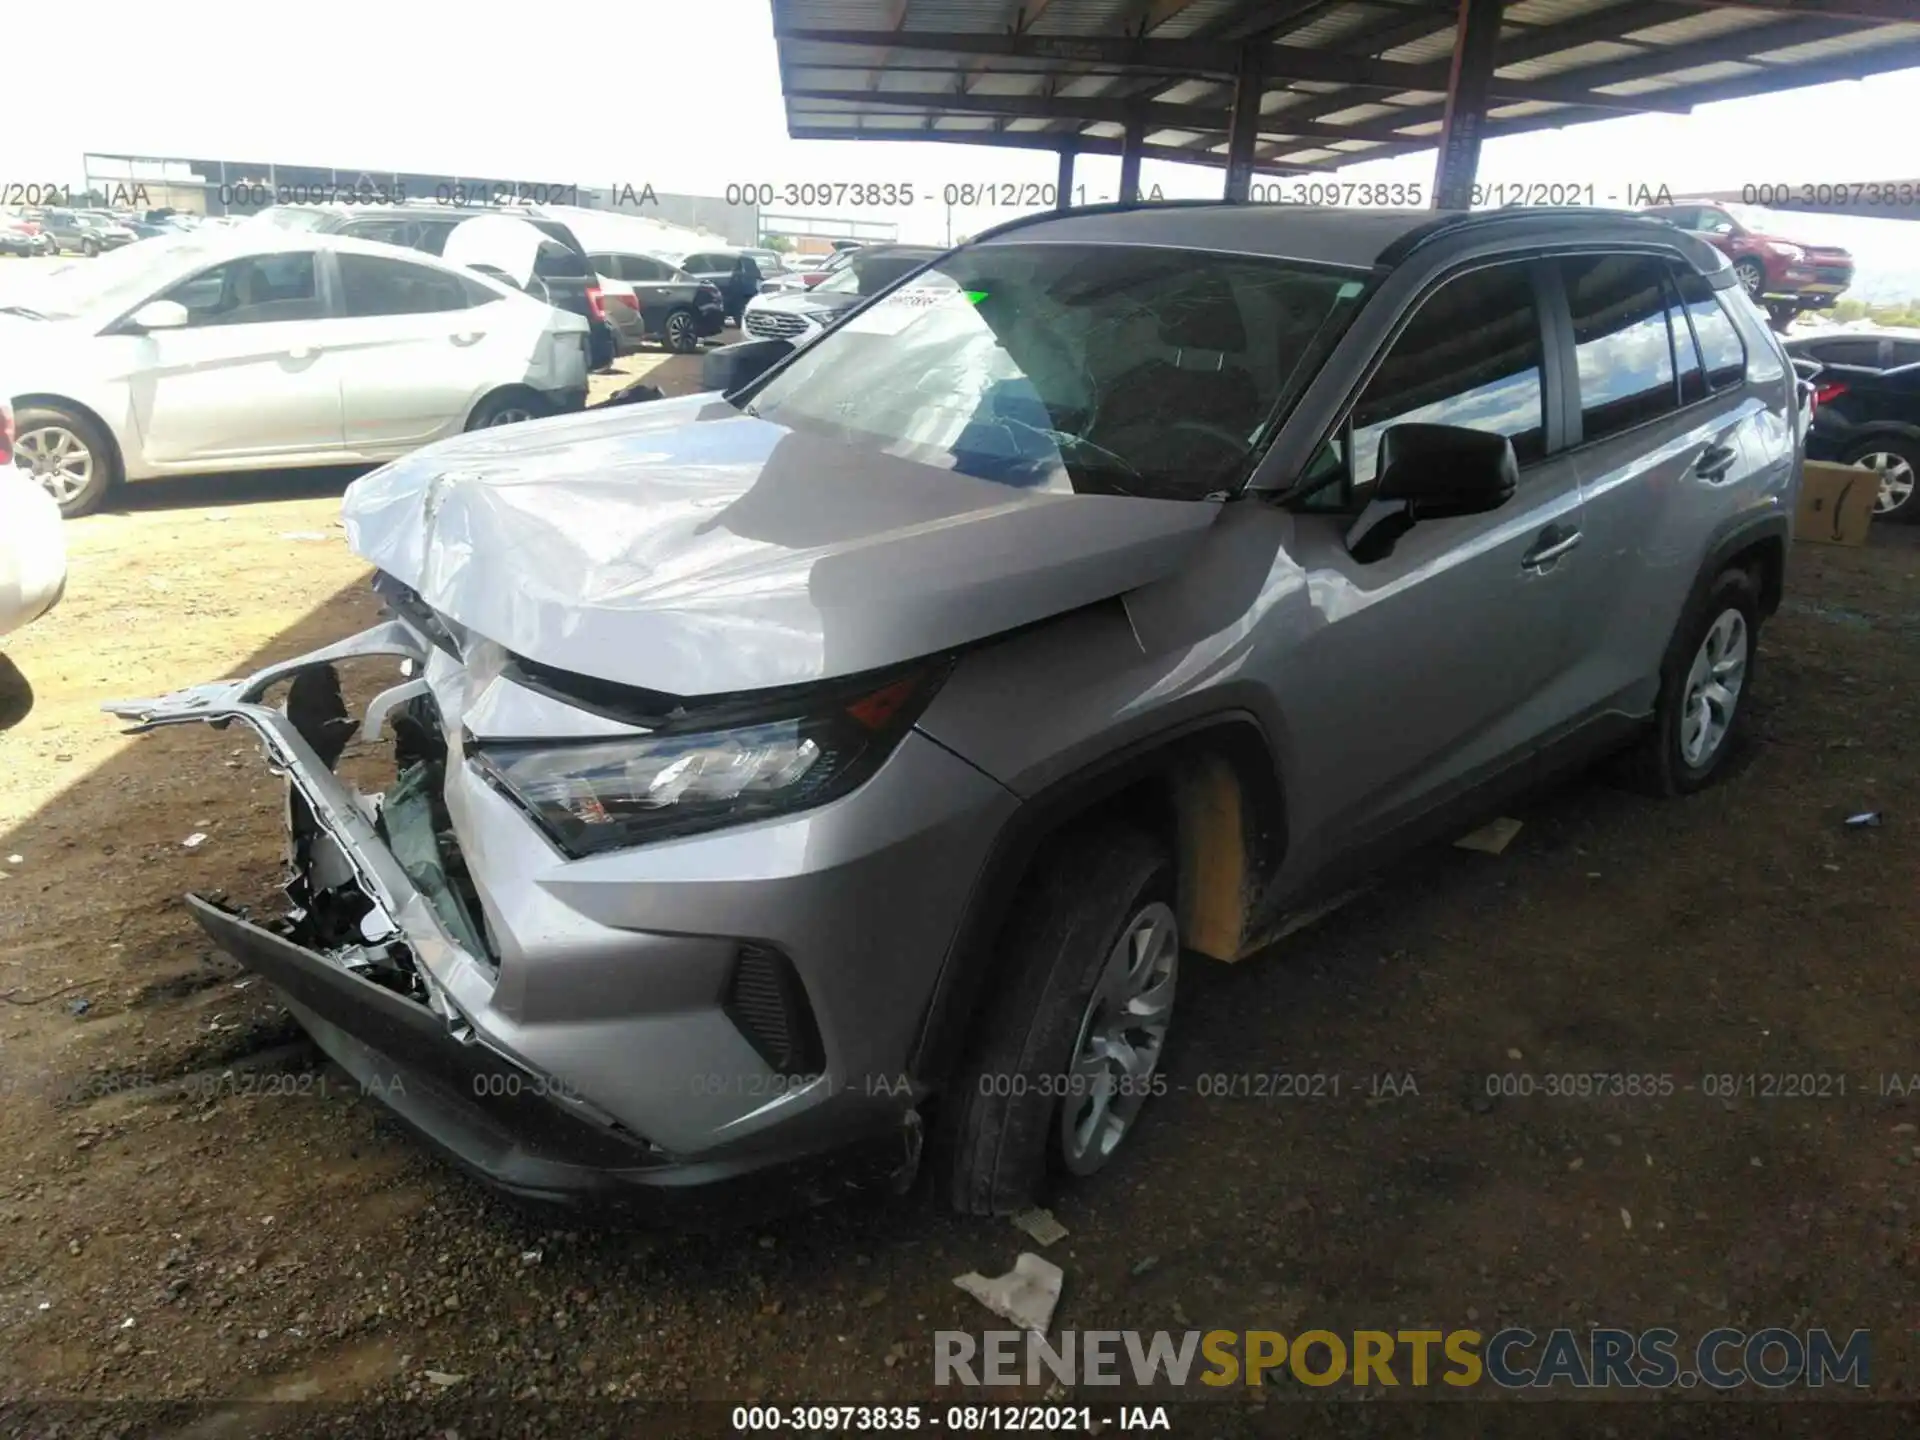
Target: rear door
{"points": [[1667, 440], [416, 351], [1441, 665], [251, 375], [655, 283]]}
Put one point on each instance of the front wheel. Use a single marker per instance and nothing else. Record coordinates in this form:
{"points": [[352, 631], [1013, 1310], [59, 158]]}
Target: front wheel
{"points": [[1752, 275], [68, 455], [1895, 461], [504, 407], [89, 248], [1704, 684], [680, 332], [1069, 1053]]}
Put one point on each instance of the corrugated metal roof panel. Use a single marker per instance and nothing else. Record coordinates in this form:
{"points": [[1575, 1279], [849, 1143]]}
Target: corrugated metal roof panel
{"points": [[1550, 12], [1595, 53], [1704, 26], [1195, 18], [1307, 157], [1522, 107], [962, 122], [1082, 17], [815, 77], [1334, 25], [1437, 46], [1186, 92], [1355, 113], [1652, 85], [1414, 97], [1846, 44], [1353, 147], [953, 15]]}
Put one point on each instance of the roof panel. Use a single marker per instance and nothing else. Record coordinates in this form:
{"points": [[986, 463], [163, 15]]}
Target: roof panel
{"points": [[894, 74], [1851, 43]]}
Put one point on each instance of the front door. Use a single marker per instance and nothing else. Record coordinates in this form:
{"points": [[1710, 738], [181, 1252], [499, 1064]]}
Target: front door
{"points": [[248, 376], [1432, 669]]}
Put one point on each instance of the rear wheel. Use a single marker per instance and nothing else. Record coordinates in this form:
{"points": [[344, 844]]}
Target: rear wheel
{"points": [[1704, 684], [680, 332], [1896, 461], [505, 407], [70, 456], [1068, 1054]]}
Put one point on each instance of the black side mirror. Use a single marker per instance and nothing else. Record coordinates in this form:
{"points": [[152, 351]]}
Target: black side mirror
{"points": [[1431, 472], [727, 367]]}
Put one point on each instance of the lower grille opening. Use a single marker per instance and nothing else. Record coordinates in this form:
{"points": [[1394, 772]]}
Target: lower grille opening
{"points": [[767, 1003]]}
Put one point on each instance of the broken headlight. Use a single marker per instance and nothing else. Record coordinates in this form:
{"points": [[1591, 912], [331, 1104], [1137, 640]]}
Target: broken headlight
{"points": [[750, 763]]}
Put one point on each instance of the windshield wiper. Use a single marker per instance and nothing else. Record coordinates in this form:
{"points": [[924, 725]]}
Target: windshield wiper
{"points": [[21, 310]]}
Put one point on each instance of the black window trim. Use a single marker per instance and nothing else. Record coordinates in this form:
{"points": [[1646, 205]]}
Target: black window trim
{"points": [[477, 295]]}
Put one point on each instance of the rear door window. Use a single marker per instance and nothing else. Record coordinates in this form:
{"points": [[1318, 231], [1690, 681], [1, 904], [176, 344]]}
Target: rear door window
{"points": [[1903, 352], [1622, 350], [1847, 352], [372, 285], [1720, 345], [1471, 356], [645, 268]]}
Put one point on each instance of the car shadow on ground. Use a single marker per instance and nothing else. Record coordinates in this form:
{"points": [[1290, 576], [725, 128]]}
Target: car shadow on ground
{"points": [[239, 487], [16, 695]]}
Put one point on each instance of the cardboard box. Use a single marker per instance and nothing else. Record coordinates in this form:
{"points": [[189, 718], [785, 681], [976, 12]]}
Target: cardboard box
{"points": [[1836, 503]]}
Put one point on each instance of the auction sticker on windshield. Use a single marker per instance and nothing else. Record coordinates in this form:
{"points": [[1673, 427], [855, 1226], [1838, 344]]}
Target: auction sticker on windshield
{"points": [[893, 313]]}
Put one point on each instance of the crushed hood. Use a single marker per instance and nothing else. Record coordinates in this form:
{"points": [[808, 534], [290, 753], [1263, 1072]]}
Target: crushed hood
{"points": [[684, 547]]}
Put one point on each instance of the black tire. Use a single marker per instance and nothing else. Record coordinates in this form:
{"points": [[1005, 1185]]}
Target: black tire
{"points": [[105, 473], [1753, 275], [89, 248], [1659, 765], [495, 409], [1081, 896], [1907, 511], [680, 331]]}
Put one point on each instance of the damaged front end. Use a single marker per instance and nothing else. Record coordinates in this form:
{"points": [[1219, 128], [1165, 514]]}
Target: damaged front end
{"points": [[531, 1076]]}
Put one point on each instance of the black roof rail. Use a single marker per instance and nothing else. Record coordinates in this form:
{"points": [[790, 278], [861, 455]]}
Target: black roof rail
{"points": [[1457, 220]]}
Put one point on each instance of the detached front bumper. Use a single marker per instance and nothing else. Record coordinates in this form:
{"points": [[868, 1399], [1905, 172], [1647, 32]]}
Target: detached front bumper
{"points": [[559, 1052]]}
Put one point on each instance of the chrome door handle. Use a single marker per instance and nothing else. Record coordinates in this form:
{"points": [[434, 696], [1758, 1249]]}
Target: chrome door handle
{"points": [[1715, 461], [468, 337], [303, 352], [1552, 544]]}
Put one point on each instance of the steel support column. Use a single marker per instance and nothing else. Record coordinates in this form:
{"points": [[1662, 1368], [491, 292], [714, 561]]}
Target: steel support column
{"points": [[1063, 183], [1474, 43], [1244, 132], [1130, 150]]}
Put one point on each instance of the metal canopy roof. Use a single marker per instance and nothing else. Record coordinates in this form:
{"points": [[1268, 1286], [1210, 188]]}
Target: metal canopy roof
{"points": [[1337, 81]]}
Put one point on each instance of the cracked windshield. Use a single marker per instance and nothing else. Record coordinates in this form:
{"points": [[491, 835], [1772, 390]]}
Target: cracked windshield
{"points": [[1108, 370]]}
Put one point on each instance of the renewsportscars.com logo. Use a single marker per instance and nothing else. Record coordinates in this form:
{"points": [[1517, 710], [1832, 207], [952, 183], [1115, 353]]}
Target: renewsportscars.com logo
{"points": [[1601, 1358]]}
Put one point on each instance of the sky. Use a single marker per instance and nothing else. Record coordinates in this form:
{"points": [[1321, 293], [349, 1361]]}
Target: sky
{"points": [[697, 106]]}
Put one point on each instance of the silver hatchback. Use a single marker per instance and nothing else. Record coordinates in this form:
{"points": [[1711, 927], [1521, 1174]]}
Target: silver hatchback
{"points": [[856, 755]]}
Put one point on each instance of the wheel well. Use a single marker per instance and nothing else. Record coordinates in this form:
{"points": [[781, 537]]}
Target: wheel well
{"points": [[1213, 795], [1766, 561], [61, 402], [532, 395]]}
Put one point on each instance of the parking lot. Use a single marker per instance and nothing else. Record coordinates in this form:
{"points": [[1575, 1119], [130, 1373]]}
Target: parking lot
{"points": [[194, 1205]]}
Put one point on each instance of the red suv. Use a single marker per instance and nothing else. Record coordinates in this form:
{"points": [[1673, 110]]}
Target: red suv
{"points": [[1778, 272]]}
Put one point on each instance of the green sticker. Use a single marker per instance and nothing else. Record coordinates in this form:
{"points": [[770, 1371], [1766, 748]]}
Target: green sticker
{"points": [[1349, 290], [974, 297]]}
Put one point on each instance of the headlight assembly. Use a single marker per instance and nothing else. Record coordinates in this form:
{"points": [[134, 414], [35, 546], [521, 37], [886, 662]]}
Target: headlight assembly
{"points": [[611, 794]]}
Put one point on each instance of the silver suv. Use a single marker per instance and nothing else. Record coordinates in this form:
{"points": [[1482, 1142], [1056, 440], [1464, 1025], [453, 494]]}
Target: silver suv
{"points": [[790, 776]]}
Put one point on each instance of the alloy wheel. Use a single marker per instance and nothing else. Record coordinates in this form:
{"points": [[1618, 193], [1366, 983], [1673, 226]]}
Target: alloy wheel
{"points": [[57, 458], [1122, 1033], [512, 415], [1718, 671], [679, 330], [1896, 480], [1752, 276]]}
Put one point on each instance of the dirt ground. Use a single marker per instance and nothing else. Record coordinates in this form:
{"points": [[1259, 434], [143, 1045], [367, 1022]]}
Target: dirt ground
{"points": [[193, 1207]]}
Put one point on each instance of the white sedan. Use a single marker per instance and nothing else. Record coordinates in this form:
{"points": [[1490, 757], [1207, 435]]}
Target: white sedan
{"points": [[254, 348], [33, 552]]}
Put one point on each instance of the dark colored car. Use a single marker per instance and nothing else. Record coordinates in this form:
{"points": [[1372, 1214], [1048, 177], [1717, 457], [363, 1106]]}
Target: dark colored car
{"points": [[1872, 418], [672, 306], [87, 234], [734, 273], [1770, 267], [1859, 349], [568, 277]]}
